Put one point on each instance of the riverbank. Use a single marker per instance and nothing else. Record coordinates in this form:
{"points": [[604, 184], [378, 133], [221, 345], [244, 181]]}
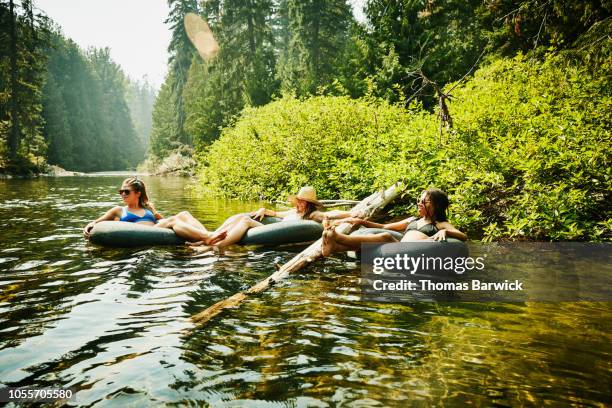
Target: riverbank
{"points": [[526, 157], [56, 171], [50, 171]]}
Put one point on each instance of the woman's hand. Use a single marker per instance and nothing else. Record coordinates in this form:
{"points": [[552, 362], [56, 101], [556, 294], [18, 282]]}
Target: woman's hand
{"points": [[358, 214], [259, 214], [439, 236], [88, 228]]}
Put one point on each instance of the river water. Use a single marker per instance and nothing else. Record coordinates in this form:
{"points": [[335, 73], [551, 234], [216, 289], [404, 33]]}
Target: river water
{"points": [[113, 323]]}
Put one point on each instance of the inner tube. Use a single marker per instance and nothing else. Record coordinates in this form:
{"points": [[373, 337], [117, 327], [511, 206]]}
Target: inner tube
{"points": [[131, 234], [273, 232], [452, 247]]}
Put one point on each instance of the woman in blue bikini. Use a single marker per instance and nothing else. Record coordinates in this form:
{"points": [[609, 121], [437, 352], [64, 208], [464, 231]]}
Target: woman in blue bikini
{"points": [[139, 209], [431, 224]]}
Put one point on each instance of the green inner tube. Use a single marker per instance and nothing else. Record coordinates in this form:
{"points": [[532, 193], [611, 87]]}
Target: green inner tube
{"points": [[452, 247], [276, 232], [273, 232], [131, 234]]}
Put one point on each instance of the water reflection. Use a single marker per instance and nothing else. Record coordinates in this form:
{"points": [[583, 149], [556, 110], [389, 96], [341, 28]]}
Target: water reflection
{"points": [[113, 323]]}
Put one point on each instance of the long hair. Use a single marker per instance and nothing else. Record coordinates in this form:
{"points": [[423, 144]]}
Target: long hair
{"points": [[143, 200], [310, 208], [439, 202]]}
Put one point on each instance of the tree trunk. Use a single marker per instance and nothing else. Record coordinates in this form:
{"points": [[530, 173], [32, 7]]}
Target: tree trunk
{"points": [[15, 129]]}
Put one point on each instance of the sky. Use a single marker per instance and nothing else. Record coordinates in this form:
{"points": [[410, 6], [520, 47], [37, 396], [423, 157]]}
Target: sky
{"points": [[134, 30]]}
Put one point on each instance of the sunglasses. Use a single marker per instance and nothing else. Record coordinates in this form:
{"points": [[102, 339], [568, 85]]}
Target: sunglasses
{"points": [[424, 202], [126, 192]]}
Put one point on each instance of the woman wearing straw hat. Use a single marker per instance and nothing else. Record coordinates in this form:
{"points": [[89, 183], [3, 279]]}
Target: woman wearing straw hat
{"points": [[306, 207]]}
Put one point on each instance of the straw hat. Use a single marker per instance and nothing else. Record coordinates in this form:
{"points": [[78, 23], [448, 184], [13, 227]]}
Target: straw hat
{"points": [[306, 193]]}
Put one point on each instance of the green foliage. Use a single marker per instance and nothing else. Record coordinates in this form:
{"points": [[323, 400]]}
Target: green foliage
{"points": [[66, 107], [528, 157], [512, 26], [164, 131], [140, 99], [443, 39], [275, 149], [181, 54], [307, 48], [545, 129], [316, 39], [88, 126], [241, 74], [22, 61]]}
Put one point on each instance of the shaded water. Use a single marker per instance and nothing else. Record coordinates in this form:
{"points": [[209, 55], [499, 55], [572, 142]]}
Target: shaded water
{"points": [[112, 323]]}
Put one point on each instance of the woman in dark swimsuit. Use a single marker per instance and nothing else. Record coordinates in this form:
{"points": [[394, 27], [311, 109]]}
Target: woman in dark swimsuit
{"points": [[140, 210], [432, 225]]}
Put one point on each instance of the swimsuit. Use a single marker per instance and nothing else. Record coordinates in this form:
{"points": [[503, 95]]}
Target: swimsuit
{"points": [[427, 229], [127, 216], [292, 217]]}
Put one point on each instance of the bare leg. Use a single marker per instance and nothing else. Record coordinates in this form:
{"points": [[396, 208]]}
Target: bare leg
{"points": [[337, 242], [231, 222], [237, 231], [189, 232], [185, 216]]}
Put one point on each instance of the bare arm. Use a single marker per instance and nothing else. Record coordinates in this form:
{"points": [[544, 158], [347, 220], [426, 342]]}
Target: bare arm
{"points": [[110, 215], [446, 229], [399, 225], [262, 212], [320, 216], [394, 226]]}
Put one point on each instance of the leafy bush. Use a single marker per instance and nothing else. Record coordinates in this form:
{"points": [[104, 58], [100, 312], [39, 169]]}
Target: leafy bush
{"points": [[528, 157]]}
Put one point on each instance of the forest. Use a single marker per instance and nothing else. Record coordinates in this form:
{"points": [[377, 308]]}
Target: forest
{"points": [[504, 104], [63, 105]]}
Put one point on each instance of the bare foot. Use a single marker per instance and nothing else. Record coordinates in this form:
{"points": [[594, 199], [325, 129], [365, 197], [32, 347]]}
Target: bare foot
{"points": [[194, 244], [328, 225], [202, 249], [329, 243], [216, 237]]}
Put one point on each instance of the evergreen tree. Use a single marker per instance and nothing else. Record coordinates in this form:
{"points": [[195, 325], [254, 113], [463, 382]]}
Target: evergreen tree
{"points": [[241, 74], [318, 36], [164, 127], [119, 138], [89, 127], [23, 37], [440, 39], [140, 98], [181, 53], [57, 130], [513, 26]]}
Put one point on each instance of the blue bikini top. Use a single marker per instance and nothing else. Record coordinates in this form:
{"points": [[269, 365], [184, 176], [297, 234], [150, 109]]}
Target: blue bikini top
{"points": [[131, 217]]}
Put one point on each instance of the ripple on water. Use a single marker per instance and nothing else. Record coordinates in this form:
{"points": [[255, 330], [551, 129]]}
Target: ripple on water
{"points": [[114, 324], [24, 266]]}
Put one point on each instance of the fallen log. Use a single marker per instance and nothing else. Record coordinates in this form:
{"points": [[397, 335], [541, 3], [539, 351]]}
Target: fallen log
{"points": [[368, 206], [329, 203]]}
